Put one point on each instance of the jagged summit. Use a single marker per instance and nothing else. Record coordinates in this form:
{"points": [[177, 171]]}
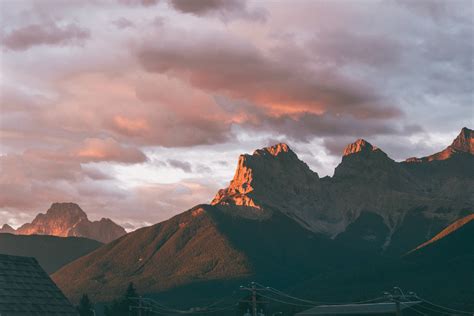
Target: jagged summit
{"points": [[363, 159], [462, 144], [360, 145], [274, 150], [66, 211], [66, 207]]}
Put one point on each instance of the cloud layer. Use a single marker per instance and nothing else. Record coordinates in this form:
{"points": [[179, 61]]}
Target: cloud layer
{"points": [[138, 109]]}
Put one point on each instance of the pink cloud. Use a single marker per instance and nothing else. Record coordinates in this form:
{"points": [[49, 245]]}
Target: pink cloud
{"points": [[95, 150], [130, 126]]}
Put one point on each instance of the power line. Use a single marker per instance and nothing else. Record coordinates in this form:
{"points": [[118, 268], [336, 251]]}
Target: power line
{"points": [[160, 308], [438, 311], [284, 302], [444, 307], [411, 307], [317, 302]]}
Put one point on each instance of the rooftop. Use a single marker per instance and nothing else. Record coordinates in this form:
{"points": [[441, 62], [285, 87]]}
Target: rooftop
{"points": [[26, 289]]}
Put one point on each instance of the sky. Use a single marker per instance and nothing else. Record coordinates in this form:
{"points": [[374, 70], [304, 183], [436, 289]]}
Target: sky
{"points": [[137, 110]]}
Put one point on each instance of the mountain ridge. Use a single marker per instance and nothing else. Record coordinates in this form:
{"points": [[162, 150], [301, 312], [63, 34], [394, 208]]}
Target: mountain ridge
{"points": [[365, 180], [277, 216]]}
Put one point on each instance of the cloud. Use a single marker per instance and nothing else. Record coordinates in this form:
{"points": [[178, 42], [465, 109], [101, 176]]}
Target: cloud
{"points": [[145, 3], [225, 9], [279, 83], [183, 165], [284, 94], [75, 123], [26, 37], [123, 23], [95, 150]]}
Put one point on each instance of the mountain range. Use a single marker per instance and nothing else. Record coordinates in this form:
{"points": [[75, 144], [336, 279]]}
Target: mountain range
{"points": [[68, 220], [278, 222]]}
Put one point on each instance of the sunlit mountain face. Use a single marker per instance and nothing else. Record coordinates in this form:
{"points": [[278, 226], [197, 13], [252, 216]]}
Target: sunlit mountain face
{"points": [[136, 110]]}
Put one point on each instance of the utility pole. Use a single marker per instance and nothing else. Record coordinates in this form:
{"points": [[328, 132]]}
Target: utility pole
{"points": [[254, 300], [396, 296], [253, 292], [140, 306], [399, 313]]}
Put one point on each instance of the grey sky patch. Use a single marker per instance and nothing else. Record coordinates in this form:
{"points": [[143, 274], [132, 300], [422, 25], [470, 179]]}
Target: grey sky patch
{"points": [[25, 37], [183, 165], [123, 23], [224, 9]]}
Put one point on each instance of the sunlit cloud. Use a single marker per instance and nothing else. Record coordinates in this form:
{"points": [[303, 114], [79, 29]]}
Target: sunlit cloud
{"points": [[138, 109]]}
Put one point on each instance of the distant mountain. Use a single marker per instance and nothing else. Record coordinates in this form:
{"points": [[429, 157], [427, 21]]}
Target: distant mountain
{"points": [[7, 229], [66, 220], [51, 252], [278, 218]]}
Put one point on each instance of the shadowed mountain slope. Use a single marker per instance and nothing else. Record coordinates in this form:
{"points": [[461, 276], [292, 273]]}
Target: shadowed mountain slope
{"points": [[51, 252]]}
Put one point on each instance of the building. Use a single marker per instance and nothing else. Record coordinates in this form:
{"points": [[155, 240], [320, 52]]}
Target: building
{"points": [[387, 308], [26, 289]]}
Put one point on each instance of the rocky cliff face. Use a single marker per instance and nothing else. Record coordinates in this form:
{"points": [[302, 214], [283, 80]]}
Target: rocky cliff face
{"points": [[273, 178], [68, 219]]}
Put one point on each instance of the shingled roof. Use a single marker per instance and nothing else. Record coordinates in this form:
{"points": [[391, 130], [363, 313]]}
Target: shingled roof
{"points": [[26, 289]]}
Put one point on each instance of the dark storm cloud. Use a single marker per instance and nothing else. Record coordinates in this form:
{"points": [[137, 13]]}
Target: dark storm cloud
{"points": [[50, 33]]}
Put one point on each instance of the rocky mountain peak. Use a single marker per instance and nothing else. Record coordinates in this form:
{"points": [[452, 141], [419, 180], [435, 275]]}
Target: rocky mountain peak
{"points": [[262, 174], [274, 150], [360, 145], [7, 229], [68, 219], [269, 179], [464, 142], [70, 212]]}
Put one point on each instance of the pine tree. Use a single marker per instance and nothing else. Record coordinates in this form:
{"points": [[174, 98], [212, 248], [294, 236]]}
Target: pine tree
{"points": [[85, 306], [124, 306]]}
